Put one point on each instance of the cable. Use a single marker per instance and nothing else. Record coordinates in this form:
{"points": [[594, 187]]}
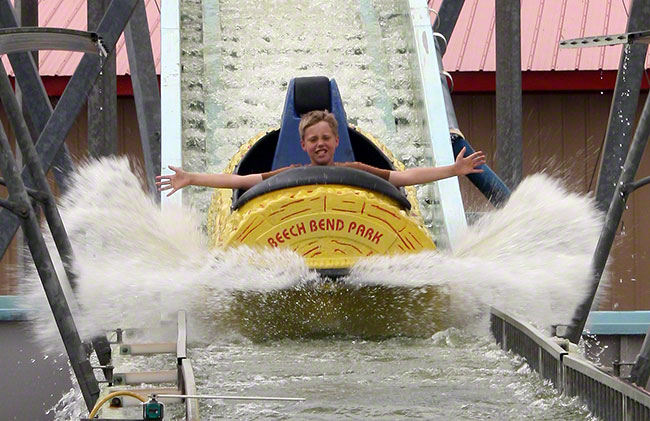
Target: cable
{"points": [[110, 396]]}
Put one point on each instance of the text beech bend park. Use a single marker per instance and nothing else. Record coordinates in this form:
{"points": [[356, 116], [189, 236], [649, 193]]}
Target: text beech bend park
{"points": [[324, 224]]}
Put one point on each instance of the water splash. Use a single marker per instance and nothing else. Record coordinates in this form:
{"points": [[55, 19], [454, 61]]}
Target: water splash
{"points": [[532, 257], [136, 263]]}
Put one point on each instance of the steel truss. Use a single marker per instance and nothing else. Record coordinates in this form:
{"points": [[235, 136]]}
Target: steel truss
{"points": [[29, 188]]}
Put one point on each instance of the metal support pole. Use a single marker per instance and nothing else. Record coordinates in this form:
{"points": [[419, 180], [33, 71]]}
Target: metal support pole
{"points": [[641, 369], [73, 98], [612, 220], [26, 146], [59, 234], [55, 296], [145, 91], [488, 182], [102, 100], [446, 19], [624, 105], [37, 105], [27, 11], [509, 152]]}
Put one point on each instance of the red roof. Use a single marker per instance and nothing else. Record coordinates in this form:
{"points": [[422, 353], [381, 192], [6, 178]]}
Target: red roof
{"points": [[71, 14], [470, 55], [544, 24]]}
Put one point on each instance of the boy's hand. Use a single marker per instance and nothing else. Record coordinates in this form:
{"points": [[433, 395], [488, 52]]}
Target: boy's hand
{"points": [[469, 164], [175, 181]]}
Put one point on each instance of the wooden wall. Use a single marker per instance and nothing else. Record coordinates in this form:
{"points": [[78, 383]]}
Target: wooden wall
{"points": [[563, 134], [77, 141]]}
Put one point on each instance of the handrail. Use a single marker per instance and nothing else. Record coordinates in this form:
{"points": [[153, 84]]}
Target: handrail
{"points": [[181, 341], [189, 388], [585, 367]]}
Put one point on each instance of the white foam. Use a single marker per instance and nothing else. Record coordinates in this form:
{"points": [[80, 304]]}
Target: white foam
{"points": [[135, 261], [532, 257]]}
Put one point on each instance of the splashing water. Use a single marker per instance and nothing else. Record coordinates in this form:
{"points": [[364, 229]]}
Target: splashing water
{"points": [[133, 259], [532, 257], [135, 262]]}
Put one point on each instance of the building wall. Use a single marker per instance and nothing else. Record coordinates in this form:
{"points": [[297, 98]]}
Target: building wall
{"points": [[77, 142], [563, 135]]}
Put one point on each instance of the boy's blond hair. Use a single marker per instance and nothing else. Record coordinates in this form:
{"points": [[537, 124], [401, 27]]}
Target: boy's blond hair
{"points": [[315, 117]]}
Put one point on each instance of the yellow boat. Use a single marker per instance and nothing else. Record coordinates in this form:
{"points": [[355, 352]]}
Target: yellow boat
{"points": [[331, 216]]}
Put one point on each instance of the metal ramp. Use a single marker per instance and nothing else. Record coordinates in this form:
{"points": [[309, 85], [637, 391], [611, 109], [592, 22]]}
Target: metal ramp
{"points": [[427, 88]]}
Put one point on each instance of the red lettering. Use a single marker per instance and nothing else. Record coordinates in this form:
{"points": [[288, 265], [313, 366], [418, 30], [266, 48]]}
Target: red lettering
{"points": [[330, 224], [279, 238], [312, 226], [377, 237], [352, 226], [272, 242], [361, 229], [368, 234], [285, 233], [339, 224], [291, 231], [321, 224], [301, 228]]}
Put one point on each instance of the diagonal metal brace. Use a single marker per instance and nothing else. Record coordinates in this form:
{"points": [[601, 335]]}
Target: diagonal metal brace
{"points": [[35, 98], [630, 187], [56, 129], [33, 193], [51, 285], [14, 207], [145, 92]]}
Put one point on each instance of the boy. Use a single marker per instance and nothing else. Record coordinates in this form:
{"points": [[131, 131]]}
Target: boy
{"points": [[318, 137]]}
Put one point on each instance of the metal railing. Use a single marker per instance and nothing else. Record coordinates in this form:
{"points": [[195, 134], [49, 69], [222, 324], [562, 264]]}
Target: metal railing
{"points": [[607, 397], [542, 354]]}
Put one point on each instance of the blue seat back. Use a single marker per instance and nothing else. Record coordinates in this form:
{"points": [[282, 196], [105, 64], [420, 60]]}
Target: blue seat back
{"points": [[304, 95]]}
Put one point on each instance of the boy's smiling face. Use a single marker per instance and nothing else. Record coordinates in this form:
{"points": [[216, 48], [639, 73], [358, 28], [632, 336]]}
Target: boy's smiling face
{"points": [[320, 143]]}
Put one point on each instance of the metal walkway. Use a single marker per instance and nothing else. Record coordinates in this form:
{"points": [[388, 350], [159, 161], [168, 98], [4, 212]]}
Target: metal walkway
{"points": [[607, 397]]}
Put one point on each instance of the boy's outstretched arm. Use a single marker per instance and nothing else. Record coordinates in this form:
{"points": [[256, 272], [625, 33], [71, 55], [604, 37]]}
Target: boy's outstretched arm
{"points": [[181, 178], [463, 165]]}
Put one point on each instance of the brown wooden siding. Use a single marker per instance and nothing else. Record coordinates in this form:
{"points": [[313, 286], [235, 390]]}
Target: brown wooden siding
{"points": [[563, 135], [77, 142], [562, 132]]}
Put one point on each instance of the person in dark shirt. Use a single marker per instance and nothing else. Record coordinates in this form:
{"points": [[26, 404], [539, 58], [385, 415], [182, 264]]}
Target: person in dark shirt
{"points": [[318, 138]]}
